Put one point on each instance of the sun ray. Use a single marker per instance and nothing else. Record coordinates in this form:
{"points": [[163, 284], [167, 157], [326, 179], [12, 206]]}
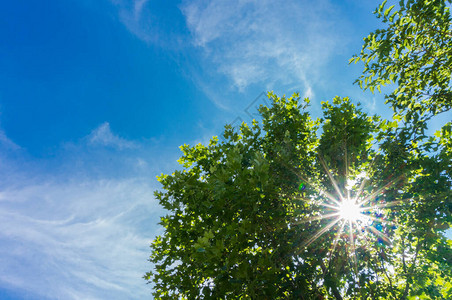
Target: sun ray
{"points": [[360, 189], [329, 205], [328, 195], [378, 191], [380, 234], [336, 240], [320, 233], [331, 198], [392, 223], [350, 207], [352, 244], [321, 217], [346, 170], [311, 183], [365, 179], [382, 205], [336, 187]]}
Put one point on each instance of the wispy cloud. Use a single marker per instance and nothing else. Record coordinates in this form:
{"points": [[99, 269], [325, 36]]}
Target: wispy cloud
{"points": [[131, 15], [235, 45], [266, 42], [75, 234], [6, 143], [103, 136], [79, 239]]}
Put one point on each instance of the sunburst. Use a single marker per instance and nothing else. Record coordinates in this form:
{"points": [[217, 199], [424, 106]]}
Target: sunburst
{"points": [[349, 212]]}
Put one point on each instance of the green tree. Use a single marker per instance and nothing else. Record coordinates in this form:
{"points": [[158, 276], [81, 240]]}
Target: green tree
{"points": [[414, 52], [341, 207]]}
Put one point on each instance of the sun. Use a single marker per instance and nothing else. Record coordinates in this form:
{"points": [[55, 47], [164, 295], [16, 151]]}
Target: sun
{"points": [[352, 214], [350, 211]]}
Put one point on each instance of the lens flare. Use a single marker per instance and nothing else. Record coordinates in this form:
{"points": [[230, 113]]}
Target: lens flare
{"points": [[349, 214], [302, 186]]}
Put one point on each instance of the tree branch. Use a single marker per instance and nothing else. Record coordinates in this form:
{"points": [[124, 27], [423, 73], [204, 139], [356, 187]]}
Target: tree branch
{"points": [[332, 286], [408, 274], [386, 274]]}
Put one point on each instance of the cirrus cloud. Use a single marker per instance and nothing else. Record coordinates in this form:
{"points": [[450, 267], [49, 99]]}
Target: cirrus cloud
{"points": [[72, 234], [266, 42]]}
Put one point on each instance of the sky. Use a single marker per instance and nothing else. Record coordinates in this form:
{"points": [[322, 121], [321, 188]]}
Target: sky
{"points": [[97, 96]]}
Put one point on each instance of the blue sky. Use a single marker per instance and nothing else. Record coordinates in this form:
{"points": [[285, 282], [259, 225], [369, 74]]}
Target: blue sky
{"points": [[96, 97]]}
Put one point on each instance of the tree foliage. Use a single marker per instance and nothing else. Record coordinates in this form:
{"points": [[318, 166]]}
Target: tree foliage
{"points": [[414, 51], [245, 215], [258, 215]]}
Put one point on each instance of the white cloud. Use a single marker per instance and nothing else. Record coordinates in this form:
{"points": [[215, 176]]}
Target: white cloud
{"points": [[103, 136], [131, 15], [67, 232], [371, 105], [266, 42], [5, 142], [77, 239], [247, 46], [138, 7]]}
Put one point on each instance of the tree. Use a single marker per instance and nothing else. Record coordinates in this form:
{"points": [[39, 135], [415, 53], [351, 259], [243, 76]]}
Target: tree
{"points": [[414, 52], [345, 206]]}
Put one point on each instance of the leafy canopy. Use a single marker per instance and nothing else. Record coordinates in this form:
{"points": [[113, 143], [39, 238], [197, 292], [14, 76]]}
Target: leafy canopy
{"points": [[255, 216], [260, 214], [414, 51]]}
